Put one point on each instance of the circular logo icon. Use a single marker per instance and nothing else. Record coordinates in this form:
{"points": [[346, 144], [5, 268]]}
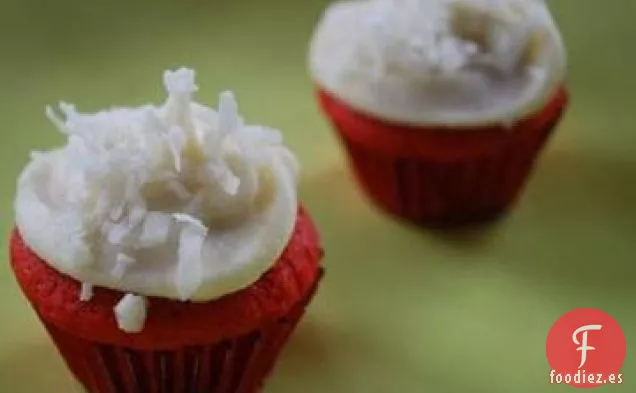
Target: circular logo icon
{"points": [[586, 348]]}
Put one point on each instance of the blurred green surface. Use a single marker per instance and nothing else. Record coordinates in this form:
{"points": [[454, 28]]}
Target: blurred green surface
{"points": [[401, 310]]}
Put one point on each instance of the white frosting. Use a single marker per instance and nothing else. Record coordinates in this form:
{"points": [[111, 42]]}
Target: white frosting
{"points": [[176, 201], [130, 313], [451, 62]]}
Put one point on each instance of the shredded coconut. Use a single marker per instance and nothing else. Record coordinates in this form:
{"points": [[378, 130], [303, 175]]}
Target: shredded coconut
{"points": [[123, 261], [190, 220], [228, 114], [117, 232], [442, 43], [180, 81], [86, 292], [189, 260], [130, 313], [155, 229], [122, 148]]}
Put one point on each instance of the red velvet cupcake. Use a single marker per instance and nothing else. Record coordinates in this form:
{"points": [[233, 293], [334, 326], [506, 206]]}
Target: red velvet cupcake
{"points": [[443, 106], [164, 248]]}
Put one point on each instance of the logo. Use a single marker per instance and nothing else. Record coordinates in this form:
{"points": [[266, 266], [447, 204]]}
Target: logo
{"points": [[586, 348]]}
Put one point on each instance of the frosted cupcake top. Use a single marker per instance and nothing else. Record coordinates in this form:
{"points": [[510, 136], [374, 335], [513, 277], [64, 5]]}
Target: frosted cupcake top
{"points": [[450, 62], [176, 201]]}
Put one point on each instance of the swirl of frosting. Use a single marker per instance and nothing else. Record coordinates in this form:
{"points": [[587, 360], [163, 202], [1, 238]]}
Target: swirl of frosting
{"points": [[450, 62], [176, 201]]}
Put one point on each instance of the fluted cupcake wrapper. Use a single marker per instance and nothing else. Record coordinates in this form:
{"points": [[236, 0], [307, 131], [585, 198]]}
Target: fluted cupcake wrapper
{"points": [[443, 193], [236, 365], [438, 176]]}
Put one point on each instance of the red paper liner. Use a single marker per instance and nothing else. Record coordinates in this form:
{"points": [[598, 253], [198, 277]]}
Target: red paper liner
{"points": [[235, 365], [437, 176]]}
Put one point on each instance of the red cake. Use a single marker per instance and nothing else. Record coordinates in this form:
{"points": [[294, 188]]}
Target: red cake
{"points": [[442, 106], [164, 247]]}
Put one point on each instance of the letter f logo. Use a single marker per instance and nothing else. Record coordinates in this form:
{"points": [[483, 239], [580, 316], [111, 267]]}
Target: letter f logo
{"points": [[583, 344]]}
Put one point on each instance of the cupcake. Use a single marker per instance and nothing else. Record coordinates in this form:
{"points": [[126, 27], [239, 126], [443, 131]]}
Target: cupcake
{"points": [[442, 105], [163, 247]]}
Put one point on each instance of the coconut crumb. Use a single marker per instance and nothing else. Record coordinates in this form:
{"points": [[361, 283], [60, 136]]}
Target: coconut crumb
{"points": [[86, 292], [191, 221], [122, 262], [155, 229], [130, 313], [180, 81], [189, 267]]}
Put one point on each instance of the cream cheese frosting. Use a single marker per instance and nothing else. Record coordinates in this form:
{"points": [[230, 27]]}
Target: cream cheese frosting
{"points": [[178, 201], [448, 62]]}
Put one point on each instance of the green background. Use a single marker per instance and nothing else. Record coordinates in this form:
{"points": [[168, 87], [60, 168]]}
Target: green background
{"points": [[401, 310]]}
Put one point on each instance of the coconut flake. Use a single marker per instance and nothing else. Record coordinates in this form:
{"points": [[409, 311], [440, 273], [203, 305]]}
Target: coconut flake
{"points": [[69, 110], [59, 123], [73, 118], [122, 262], [191, 221], [189, 269], [86, 292], [137, 212], [130, 313], [176, 140], [230, 183], [116, 232], [180, 81], [219, 171], [173, 136], [230, 147], [180, 86], [508, 46], [454, 54], [229, 119], [136, 204], [155, 229]]}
